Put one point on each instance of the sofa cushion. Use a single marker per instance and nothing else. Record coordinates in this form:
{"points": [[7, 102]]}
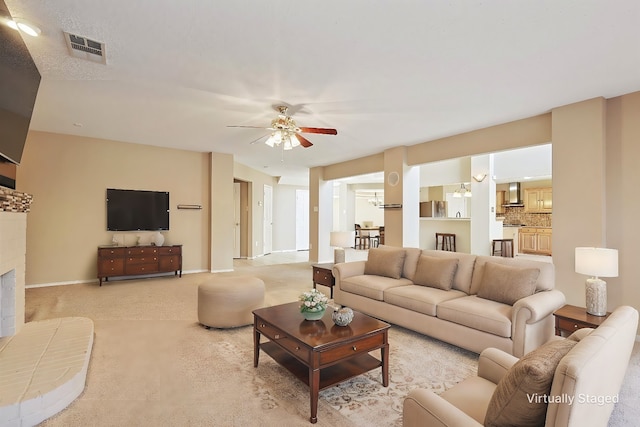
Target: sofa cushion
{"points": [[411, 262], [518, 398], [386, 261], [371, 286], [545, 281], [507, 284], [419, 298], [435, 272], [477, 313], [464, 273]]}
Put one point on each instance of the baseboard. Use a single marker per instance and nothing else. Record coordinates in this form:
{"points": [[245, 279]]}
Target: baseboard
{"points": [[222, 271], [78, 282]]}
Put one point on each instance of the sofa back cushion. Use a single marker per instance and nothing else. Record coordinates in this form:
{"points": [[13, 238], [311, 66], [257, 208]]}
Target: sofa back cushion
{"points": [[435, 272], [385, 261], [507, 284], [545, 281], [519, 398], [464, 272], [410, 260]]}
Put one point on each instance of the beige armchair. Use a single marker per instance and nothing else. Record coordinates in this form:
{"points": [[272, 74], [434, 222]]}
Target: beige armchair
{"points": [[585, 372]]}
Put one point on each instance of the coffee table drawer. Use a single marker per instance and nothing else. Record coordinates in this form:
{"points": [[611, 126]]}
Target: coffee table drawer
{"points": [[269, 331], [294, 348], [362, 346]]}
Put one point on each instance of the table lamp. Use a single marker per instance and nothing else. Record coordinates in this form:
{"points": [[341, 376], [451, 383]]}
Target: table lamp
{"points": [[597, 262], [340, 240]]}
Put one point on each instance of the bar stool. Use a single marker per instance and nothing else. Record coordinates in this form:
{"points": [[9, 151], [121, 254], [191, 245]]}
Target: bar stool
{"points": [[446, 242], [502, 247]]}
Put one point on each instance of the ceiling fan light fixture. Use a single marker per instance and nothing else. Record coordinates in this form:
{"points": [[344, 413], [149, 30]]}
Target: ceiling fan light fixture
{"points": [[24, 26]]}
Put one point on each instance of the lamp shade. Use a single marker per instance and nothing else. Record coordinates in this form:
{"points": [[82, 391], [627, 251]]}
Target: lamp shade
{"points": [[341, 239], [597, 262]]}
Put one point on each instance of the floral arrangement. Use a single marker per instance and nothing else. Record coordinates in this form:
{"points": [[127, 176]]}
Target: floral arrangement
{"points": [[313, 301]]}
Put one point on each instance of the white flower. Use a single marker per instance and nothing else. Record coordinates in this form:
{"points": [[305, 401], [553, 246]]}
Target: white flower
{"points": [[313, 300]]}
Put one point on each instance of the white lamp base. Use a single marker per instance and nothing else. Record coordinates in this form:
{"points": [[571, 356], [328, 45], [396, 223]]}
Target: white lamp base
{"points": [[338, 255], [596, 293]]}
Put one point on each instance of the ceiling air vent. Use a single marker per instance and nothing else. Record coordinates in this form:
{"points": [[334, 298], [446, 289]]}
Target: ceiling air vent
{"points": [[84, 48]]}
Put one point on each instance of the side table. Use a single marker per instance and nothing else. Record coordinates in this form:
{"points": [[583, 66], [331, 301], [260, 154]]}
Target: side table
{"points": [[570, 318], [323, 275]]}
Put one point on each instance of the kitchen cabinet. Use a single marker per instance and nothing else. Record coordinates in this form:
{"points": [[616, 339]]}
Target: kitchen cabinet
{"points": [[534, 240], [500, 195], [538, 200]]}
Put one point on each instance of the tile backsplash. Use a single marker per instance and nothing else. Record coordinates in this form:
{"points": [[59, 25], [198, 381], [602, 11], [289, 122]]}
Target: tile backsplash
{"points": [[517, 215]]}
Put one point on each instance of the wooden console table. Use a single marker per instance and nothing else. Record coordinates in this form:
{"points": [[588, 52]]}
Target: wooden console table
{"points": [[323, 275], [570, 318], [136, 260]]}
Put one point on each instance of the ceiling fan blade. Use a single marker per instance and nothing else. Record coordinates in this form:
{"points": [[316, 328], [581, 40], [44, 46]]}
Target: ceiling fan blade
{"points": [[252, 127], [255, 141], [325, 131], [303, 141]]}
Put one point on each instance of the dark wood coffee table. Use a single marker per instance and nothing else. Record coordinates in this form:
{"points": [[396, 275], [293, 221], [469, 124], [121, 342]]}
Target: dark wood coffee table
{"points": [[318, 352]]}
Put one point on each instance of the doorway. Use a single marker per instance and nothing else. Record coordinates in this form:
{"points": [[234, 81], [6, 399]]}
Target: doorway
{"points": [[302, 220], [267, 245]]}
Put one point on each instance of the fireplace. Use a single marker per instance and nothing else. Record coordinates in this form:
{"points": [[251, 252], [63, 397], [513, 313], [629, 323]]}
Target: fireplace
{"points": [[14, 206]]}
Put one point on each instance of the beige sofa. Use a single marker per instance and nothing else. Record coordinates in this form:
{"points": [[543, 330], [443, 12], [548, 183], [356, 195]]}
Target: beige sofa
{"points": [[479, 302], [580, 377]]}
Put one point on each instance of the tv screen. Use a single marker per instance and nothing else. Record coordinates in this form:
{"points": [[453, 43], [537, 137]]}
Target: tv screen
{"points": [[19, 82], [129, 210]]}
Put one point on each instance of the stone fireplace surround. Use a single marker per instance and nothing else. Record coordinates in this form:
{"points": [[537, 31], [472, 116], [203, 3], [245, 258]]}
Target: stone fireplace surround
{"points": [[43, 365]]}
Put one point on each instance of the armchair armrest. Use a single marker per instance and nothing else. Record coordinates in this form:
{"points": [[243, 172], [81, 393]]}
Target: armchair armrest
{"points": [[423, 407], [494, 363], [348, 269]]}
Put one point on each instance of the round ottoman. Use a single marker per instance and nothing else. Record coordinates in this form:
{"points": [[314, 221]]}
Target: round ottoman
{"points": [[227, 302]]}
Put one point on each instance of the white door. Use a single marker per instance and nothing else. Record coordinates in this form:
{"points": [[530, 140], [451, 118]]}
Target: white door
{"points": [[268, 220], [236, 220], [302, 220]]}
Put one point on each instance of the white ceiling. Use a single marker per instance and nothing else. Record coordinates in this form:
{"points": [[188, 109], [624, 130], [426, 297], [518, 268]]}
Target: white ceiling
{"points": [[384, 73]]}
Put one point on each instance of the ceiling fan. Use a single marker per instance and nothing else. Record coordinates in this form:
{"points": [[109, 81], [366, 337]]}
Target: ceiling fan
{"points": [[285, 131]]}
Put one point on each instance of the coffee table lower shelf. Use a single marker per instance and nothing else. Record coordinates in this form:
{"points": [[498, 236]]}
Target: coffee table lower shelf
{"points": [[329, 375]]}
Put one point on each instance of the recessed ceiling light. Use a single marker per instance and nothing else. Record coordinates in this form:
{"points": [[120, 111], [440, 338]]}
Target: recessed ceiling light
{"points": [[24, 26]]}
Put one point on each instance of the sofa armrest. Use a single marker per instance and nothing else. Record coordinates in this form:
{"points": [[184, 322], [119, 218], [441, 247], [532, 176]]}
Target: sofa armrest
{"points": [[423, 407], [538, 306], [348, 269], [532, 321], [494, 363]]}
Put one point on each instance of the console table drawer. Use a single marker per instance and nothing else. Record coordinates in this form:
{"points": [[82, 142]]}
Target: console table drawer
{"points": [[142, 260], [142, 251], [572, 325], [169, 263], [141, 268], [323, 276], [110, 253], [348, 350], [170, 250], [111, 266]]}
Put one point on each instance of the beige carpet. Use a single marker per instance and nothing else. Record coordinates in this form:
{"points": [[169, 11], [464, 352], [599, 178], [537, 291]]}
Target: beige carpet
{"points": [[153, 364]]}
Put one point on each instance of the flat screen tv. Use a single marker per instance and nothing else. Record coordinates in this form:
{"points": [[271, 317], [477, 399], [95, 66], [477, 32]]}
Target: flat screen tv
{"points": [[19, 83], [132, 210]]}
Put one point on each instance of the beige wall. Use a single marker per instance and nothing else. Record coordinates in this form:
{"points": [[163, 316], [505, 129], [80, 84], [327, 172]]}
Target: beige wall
{"points": [[578, 168], [68, 177], [623, 206]]}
